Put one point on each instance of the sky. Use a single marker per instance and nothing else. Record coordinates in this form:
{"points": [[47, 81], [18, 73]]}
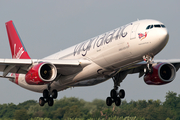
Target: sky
{"points": [[47, 27]]}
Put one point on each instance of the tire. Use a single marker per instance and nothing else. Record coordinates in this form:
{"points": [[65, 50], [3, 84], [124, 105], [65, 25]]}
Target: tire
{"points": [[113, 94], [54, 94], [50, 101], [45, 93], [108, 101], [121, 93], [117, 101], [41, 101]]}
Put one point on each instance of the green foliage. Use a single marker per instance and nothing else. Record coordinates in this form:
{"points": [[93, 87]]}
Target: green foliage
{"points": [[38, 118], [77, 109], [7, 110], [26, 104], [21, 114]]}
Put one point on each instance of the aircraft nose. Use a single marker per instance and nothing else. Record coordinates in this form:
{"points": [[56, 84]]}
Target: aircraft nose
{"points": [[163, 35]]}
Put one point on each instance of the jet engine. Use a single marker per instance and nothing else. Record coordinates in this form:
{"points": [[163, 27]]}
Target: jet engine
{"points": [[163, 73], [42, 73]]}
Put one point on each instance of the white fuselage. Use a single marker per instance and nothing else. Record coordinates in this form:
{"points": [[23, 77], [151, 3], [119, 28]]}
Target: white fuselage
{"points": [[108, 53]]}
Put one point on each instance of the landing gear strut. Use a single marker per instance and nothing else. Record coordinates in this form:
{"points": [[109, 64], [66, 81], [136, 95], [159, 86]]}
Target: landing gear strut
{"points": [[115, 95], [149, 60], [48, 96]]}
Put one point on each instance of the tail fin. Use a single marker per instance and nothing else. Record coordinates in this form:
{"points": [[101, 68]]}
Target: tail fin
{"points": [[18, 50]]}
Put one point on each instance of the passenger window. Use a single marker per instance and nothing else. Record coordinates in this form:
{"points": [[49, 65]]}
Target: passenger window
{"points": [[157, 26], [163, 26]]}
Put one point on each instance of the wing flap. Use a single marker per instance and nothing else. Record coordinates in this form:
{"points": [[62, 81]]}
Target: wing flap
{"points": [[7, 69]]}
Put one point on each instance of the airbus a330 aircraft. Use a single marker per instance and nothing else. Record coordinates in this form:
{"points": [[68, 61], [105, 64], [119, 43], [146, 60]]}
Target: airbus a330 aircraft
{"points": [[115, 54]]}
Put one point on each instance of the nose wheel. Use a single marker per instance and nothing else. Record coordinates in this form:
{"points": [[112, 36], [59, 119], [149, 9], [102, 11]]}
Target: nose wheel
{"points": [[48, 97], [115, 97]]}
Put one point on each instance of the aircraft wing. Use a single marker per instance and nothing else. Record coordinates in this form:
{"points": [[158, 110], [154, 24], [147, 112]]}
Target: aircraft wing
{"points": [[139, 67], [174, 62], [65, 67]]}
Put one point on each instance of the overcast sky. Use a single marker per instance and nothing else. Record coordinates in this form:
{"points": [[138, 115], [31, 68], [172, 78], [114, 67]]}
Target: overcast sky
{"points": [[49, 26]]}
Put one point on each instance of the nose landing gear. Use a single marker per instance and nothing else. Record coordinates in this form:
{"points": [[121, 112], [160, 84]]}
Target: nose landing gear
{"points": [[149, 60]]}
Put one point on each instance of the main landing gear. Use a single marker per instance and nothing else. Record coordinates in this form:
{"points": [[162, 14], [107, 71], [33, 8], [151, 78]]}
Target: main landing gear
{"points": [[115, 96], [48, 97]]}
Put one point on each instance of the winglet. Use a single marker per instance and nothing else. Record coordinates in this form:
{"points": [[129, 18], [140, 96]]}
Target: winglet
{"points": [[18, 50]]}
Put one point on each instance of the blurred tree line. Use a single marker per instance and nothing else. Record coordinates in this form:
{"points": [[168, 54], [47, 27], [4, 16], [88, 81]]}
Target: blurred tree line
{"points": [[78, 109]]}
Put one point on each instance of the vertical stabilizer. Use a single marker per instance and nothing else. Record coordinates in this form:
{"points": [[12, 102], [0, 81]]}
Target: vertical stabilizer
{"points": [[18, 50]]}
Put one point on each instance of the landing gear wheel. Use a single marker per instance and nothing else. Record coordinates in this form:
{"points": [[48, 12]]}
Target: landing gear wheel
{"points": [[50, 101], [45, 93], [54, 94], [48, 96], [108, 101], [115, 97], [117, 101], [41, 101], [113, 93], [122, 93]]}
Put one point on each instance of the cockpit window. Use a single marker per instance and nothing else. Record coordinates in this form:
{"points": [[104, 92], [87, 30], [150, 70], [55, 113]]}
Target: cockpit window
{"points": [[151, 26], [163, 26], [155, 26], [148, 27]]}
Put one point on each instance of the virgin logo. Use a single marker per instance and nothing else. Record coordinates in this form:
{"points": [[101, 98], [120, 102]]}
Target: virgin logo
{"points": [[18, 54]]}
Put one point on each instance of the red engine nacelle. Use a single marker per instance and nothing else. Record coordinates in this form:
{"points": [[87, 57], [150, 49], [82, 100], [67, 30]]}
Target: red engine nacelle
{"points": [[163, 73], [41, 73]]}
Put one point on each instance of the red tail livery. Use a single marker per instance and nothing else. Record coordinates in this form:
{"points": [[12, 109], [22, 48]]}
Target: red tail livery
{"points": [[17, 48]]}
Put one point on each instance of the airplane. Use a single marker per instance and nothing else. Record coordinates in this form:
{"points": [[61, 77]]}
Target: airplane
{"points": [[125, 50]]}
